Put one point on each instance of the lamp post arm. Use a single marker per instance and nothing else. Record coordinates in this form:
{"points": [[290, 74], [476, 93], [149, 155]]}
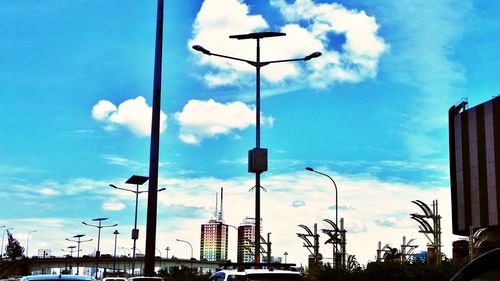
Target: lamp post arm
{"points": [[129, 190], [277, 61], [88, 224], [232, 58]]}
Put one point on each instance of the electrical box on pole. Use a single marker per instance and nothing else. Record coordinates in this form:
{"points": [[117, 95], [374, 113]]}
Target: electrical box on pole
{"points": [[257, 160]]}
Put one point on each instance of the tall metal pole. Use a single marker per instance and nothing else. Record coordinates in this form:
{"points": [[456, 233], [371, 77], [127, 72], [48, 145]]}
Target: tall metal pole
{"points": [[114, 254], [149, 263], [28, 243], [191, 246], [257, 145], [135, 232], [336, 209], [78, 241], [257, 155]]}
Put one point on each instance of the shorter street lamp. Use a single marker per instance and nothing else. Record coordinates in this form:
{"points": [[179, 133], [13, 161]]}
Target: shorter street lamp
{"points": [[28, 243], [137, 180], [336, 208], [191, 249], [99, 226], [71, 250], [78, 241], [114, 255]]}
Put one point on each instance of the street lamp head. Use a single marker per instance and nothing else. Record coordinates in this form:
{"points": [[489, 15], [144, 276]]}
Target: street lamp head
{"points": [[113, 186], [161, 189], [116, 232], [201, 49], [310, 169], [313, 56], [100, 219]]}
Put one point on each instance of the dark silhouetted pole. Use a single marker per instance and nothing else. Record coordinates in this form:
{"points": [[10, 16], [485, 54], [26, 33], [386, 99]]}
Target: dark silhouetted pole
{"points": [[149, 259]]}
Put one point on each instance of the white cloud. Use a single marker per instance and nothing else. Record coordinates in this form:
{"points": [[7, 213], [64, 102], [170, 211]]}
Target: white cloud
{"points": [[121, 161], [308, 28], [103, 109], [113, 206], [48, 192], [206, 119], [133, 114]]}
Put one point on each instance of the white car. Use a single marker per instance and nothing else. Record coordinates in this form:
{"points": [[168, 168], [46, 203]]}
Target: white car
{"points": [[145, 278], [255, 275], [114, 279]]}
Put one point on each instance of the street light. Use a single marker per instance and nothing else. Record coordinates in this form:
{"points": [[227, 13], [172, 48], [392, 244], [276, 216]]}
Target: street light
{"points": [[98, 226], [78, 241], [257, 157], [3, 235], [137, 180], [285, 254], [336, 207], [114, 255], [191, 249], [71, 250], [28, 243]]}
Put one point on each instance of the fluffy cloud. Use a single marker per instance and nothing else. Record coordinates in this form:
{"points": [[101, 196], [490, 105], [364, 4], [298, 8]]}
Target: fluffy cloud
{"points": [[113, 206], [206, 119], [133, 114], [310, 27]]}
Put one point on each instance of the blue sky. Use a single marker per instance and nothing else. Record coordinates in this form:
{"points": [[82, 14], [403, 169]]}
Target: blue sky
{"points": [[76, 87]]}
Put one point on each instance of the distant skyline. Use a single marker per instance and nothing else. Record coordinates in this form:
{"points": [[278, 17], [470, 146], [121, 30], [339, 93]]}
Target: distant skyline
{"points": [[76, 87]]}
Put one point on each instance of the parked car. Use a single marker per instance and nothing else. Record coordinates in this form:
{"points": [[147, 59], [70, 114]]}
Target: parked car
{"points": [[144, 278], [245, 273], [114, 279], [57, 278]]}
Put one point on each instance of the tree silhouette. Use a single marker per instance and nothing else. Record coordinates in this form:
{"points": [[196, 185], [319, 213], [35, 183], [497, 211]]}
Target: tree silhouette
{"points": [[13, 250]]}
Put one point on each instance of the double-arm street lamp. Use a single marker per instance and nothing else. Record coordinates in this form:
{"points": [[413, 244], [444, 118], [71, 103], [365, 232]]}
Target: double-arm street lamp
{"points": [[71, 250], [99, 226], [78, 241], [336, 207], [257, 157], [137, 180], [191, 249]]}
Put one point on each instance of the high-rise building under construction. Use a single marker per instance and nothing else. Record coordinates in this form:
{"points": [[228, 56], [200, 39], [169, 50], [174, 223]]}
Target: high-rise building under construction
{"points": [[214, 235]]}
